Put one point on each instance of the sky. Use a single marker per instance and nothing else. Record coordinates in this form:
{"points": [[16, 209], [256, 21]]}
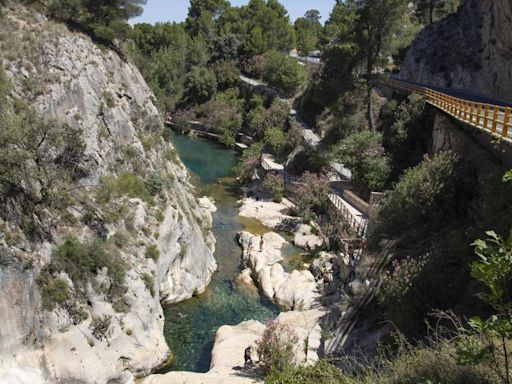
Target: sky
{"points": [[176, 10]]}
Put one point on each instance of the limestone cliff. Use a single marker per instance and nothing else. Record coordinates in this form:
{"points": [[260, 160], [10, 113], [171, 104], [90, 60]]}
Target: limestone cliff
{"points": [[66, 77], [470, 50]]}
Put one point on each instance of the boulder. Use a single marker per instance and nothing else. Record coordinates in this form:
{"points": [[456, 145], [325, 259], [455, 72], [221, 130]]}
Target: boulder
{"points": [[298, 292], [304, 238]]}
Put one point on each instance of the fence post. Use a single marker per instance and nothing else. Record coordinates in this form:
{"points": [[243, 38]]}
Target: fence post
{"points": [[486, 115], [506, 120], [495, 119], [478, 111]]}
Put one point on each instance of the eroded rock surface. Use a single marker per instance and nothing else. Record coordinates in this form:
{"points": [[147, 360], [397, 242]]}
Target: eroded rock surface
{"points": [[96, 91], [261, 255], [469, 50]]}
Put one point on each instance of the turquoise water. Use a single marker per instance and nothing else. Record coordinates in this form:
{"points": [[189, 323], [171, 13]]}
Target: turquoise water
{"points": [[190, 326]]}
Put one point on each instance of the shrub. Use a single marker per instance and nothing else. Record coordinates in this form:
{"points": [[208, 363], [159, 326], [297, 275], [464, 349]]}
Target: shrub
{"points": [[321, 373], [274, 185], [249, 162], [152, 252], [312, 195], [396, 282], [82, 261], [126, 184], [149, 282], [276, 347], [423, 197], [54, 290], [100, 327]]}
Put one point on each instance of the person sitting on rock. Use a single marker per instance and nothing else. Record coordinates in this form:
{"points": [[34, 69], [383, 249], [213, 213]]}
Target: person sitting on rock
{"points": [[248, 357]]}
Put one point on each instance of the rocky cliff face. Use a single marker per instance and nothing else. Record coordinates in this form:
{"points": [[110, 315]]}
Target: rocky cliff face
{"points": [[471, 50], [66, 77]]}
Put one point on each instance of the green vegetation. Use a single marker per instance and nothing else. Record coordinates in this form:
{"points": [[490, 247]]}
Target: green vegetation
{"points": [[364, 155], [149, 282], [54, 291], [424, 196], [106, 22], [274, 185], [276, 347], [283, 73], [39, 158], [82, 262], [126, 184], [152, 252]]}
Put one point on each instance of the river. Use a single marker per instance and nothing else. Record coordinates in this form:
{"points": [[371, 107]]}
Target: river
{"points": [[190, 326]]}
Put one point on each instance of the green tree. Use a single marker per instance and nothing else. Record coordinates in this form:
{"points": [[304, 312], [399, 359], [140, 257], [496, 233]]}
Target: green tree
{"points": [[306, 34], [200, 84], [275, 138], [104, 20], [202, 15], [364, 155], [378, 24], [283, 73]]}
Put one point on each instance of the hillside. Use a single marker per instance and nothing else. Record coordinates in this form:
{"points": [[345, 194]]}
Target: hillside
{"points": [[129, 197]]}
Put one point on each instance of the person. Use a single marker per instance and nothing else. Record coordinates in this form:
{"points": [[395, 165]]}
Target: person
{"points": [[247, 357], [261, 244]]}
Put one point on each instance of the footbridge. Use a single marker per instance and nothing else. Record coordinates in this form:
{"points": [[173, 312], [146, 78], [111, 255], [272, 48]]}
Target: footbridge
{"points": [[484, 113]]}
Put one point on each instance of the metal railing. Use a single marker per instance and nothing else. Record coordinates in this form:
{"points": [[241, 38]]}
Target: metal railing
{"points": [[359, 226], [491, 118]]}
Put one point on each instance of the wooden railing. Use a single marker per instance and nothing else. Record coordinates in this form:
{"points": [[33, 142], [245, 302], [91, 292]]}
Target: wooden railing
{"points": [[495, 119], [359, 226]]}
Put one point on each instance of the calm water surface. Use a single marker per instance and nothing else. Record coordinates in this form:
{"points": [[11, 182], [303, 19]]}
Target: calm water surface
{"points": [[190, 326]]}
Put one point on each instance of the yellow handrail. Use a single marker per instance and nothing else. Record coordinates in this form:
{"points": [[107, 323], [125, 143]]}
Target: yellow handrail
{"points": [[494, 118]]}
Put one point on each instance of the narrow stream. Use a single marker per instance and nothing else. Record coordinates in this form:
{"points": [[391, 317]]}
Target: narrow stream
{"points": [[190, 326]]}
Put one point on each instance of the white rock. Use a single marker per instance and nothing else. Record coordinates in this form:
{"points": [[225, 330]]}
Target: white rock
{"points": [[269, 213], [298, 292], [304, 238], [207, 203]]}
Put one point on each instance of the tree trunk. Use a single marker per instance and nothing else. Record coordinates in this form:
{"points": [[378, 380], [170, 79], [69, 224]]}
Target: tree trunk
{"points": [[369, 112], [431, 10]]}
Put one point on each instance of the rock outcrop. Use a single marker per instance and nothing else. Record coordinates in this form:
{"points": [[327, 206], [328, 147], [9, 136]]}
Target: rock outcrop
{"points": [[66, 77], [470, 50], [227, 366], [261, 255]]}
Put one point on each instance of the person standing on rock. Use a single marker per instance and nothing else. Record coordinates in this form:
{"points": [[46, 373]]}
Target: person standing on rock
{"points": [[248, 357]]}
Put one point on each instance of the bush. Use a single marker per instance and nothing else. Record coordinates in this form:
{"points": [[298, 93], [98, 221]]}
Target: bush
{"points": [[82, 261], [283, 73], [276, 347], [254, 66], [274, 185], [423, 198], [312, 195], [54, 290], [249, 162], [321, 373], [152, 252], [39, 158], [100, 327], [126, 184], [149, 282]]}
